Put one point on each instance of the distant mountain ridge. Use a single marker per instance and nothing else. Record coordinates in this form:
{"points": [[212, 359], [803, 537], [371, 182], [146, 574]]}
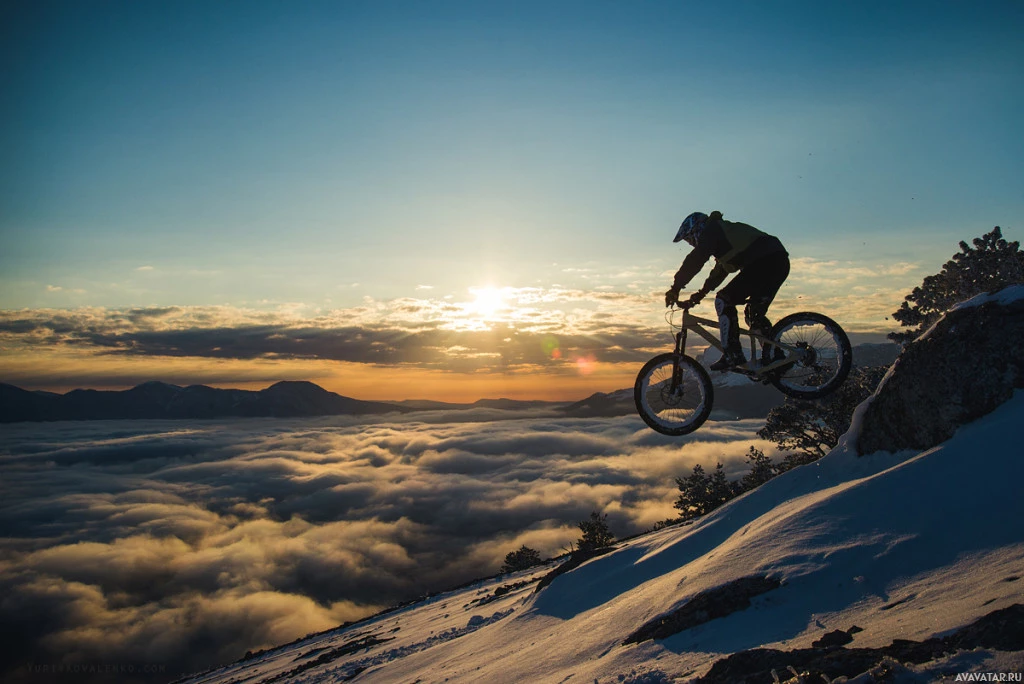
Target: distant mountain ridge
{"points": [[162, 400], [736, 397]]}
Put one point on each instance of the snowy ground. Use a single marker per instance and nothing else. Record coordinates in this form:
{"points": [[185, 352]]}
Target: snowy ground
{"points": [[903, 546]]}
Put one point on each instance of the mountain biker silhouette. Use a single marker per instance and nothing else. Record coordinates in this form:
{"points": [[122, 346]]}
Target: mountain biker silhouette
{"points": [[763, 265]]}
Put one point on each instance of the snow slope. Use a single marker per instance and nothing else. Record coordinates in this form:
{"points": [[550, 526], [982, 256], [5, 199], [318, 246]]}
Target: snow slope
{"points": [[904, 546]]}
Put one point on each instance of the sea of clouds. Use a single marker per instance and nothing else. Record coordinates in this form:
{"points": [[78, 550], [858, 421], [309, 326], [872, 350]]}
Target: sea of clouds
{"points": [[185, 544]]}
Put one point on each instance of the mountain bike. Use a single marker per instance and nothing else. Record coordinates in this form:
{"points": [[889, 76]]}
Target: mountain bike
{"points": [[805, 355]]}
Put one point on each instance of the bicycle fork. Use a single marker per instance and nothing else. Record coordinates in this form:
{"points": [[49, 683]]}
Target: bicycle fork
{"points": [[676, 385]]}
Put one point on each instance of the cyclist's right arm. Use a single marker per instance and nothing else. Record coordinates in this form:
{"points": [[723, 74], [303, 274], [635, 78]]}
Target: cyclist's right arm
{"points": [[712, 242], [692, 264]]}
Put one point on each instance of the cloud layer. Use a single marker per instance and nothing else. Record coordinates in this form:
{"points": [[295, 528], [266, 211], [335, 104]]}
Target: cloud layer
{"points": [[556, 333], [426, 333], [161, 543]]}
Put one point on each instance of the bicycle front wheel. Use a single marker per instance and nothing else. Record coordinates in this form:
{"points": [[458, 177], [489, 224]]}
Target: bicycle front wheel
{"points": [[827, 355], [673, 408]]}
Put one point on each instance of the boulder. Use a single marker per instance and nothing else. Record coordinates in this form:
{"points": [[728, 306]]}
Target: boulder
{"points": [[962, 368]]}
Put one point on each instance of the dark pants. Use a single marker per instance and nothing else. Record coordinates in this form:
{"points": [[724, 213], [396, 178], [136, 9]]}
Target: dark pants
{"points": [[755, 285]]}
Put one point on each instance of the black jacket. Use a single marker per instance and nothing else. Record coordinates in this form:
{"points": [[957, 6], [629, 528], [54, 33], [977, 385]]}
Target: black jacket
{"points": [[733, 245]]}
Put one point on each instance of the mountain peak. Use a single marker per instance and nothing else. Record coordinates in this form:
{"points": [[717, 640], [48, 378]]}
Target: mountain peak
{"points": [[156, 384], [296, 385]]}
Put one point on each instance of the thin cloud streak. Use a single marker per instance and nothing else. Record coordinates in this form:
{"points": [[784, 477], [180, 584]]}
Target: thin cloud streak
{"points": [[524, 330]]}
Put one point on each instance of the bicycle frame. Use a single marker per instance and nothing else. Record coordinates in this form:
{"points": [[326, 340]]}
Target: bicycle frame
{"points": [[696, 323]]}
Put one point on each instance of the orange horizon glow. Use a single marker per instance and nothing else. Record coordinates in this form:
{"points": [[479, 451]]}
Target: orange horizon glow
{"points": [[63, 372], [555, 360]]}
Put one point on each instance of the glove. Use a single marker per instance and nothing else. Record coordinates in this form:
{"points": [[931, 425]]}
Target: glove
{"points": [[672, 296], [693, 301]]}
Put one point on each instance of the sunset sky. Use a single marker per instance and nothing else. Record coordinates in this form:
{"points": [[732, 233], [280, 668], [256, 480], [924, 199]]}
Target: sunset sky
{"points": [[455, 200]]}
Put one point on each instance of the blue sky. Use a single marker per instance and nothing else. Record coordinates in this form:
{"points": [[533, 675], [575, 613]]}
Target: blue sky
{"points": [[270, 154]]}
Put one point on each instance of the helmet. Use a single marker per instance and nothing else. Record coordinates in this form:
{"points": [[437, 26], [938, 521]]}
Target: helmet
{"points": [[691, 227]]}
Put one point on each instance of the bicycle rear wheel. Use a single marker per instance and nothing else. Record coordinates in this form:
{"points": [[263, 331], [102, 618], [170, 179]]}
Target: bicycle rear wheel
{"points": [[677, 411], [827, 355]]}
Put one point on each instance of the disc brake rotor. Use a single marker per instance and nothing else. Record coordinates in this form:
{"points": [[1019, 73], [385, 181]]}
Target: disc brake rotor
{"points": [[810, 358], [671, 398]]}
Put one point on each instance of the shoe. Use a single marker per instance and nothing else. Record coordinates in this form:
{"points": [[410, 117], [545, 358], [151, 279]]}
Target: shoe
{"points": [[729, 360]]}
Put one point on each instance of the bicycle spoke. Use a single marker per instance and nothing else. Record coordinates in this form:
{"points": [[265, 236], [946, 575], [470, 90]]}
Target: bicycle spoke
{"points": [[825, 355], [673, 408]]}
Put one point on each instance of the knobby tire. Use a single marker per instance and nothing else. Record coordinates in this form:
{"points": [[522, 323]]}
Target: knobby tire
{"points": [[667, 413], [833, 356]]}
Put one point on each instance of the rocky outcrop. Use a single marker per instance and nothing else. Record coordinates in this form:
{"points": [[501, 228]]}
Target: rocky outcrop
{"points": [[1001, 630], [965, 366], [706, 606]]}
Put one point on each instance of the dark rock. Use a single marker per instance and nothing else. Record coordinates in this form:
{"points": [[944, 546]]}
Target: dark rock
{"points": [[1000, 630], [833, 639], [576, 559], [899, 603], [704, 607], [963, 368], [355, 646]]}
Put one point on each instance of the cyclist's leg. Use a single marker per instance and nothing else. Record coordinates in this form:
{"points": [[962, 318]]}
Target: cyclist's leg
{"points": [[767, 277], [729, 325], [757, 284]]}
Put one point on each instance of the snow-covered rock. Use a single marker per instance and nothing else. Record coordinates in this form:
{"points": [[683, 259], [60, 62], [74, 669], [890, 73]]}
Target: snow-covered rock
{"points": [[964, 366]]}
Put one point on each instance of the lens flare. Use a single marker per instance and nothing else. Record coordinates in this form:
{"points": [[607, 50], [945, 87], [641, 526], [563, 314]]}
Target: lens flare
{"points": [[585, 365], [549, 345]]}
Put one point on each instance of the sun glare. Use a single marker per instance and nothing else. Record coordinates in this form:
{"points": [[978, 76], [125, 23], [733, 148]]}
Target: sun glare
{"points": [[487, 302]]}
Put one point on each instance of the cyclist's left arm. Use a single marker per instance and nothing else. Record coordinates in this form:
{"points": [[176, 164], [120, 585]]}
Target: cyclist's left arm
{"points": [[715, 278]]}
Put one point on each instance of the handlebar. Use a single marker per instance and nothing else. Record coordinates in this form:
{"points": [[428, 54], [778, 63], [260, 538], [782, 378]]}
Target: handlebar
{"points": [[683, 304]]}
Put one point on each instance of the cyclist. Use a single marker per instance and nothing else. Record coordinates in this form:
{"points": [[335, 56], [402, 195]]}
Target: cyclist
{"points": [[763, 266]]}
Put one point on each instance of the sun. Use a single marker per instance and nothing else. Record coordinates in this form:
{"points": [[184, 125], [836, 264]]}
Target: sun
{"points": [[487, 302]]}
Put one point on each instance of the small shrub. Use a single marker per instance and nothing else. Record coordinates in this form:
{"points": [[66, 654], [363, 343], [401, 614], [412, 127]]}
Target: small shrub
{"points": [[668, 522], [762, 469], [596, 534], [521, 559], [701, 493]]}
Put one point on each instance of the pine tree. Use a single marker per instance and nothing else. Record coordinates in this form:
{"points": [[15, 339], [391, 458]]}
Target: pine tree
{"points": [[762, 469], [991, 264], [596, 534], [701, 493], [521, 559], [693, 493], [811, 428], [721, 489]]}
